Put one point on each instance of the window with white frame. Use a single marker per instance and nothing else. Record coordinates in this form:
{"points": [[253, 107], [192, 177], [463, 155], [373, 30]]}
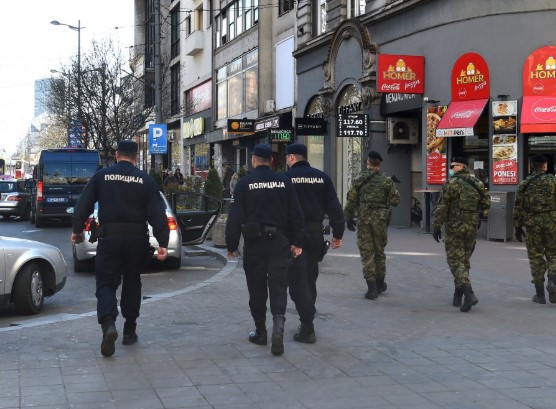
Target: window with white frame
{"points": [[238, 17], [321, 16], [356, 8]]}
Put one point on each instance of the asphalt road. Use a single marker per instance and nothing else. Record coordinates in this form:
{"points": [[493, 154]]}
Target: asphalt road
{"points": [[78, 295]]}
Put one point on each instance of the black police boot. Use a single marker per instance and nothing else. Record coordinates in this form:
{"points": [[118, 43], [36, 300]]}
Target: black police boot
{"points": [[372, 292], [259, 336], [539, 296], [470, 299], [130, 336], [458, 295], [381, 285], [109, 337], [306, 333], [277, 347], [551, 288]]}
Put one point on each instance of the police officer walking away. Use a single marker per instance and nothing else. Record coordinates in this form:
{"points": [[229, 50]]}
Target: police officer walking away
{"points": [[318, 198], [535, 208], [462, 203], [370, 198], [127, 199], [267, 212]]}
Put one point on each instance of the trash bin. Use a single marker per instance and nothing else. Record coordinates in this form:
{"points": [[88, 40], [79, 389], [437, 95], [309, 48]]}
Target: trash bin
{"points": [[500, 217]]}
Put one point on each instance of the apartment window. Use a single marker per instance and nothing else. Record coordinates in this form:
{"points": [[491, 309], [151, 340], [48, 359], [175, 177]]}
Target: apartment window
{"points": [[175, 89], [175, 31], [188, 28], [232, 10], [149, 34], [356, 8], [239, 16], [285, 6], [218, 28], [320, 12], [199, 18]]}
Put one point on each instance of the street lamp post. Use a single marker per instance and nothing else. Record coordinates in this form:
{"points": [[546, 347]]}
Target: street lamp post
{"points": [[78, 29]]}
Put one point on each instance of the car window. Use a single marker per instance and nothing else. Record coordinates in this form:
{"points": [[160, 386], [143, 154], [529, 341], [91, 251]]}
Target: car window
{"points": [[82, 172], [8, 187], [57, 173]]}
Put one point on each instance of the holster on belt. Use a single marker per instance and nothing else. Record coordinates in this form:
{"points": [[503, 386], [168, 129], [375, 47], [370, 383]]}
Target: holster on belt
{"points": [[252, 230], [94, 232], [324, 249]]}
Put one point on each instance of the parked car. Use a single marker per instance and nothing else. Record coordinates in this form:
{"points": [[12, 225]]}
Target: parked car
{"points": [[29, 272], [190, 218], [15, 198]]}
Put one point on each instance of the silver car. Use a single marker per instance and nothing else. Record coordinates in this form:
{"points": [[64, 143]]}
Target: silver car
{"points": [[29, 272], [194, 216]]}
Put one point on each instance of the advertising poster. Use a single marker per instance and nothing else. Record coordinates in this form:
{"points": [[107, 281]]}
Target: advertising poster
{"points": [[436, 148], [504, 143]]}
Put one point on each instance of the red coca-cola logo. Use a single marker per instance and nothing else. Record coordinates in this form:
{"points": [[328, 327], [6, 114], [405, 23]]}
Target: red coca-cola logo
{"points": [[544, 109], [538, 88], [462, 93], [390, 87], [462, 114]]}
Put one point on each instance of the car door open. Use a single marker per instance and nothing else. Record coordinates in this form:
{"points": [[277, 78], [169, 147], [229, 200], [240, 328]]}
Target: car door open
{"points": [[196, 214]]}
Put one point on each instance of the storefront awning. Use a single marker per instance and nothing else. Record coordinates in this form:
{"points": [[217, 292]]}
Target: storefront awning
{"points": [[538, 114], [460, 118]]}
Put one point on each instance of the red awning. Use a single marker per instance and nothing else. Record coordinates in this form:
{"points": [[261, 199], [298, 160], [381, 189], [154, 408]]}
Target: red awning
{"points": [[460, 118], [538, 114]]}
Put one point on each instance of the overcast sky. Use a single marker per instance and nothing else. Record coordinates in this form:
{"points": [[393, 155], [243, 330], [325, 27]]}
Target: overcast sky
{"points": [[31, 46]]}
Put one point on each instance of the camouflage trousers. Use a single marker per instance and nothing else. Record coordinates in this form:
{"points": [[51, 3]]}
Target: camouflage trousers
{"points": [[460, 244], [372, 237], [540, 241]]}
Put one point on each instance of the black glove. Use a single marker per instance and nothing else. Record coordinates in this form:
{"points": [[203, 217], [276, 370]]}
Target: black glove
{"points": [[519, 233], [437, 235], [351, 225]]}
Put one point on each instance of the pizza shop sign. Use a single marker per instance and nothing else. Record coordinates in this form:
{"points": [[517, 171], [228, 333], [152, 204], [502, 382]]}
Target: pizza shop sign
{"points": [[470, 78], [403, 74]]}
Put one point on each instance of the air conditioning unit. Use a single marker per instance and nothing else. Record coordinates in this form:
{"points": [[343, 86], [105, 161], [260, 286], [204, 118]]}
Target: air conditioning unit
{"points": [[270, 105], [402, 131]]}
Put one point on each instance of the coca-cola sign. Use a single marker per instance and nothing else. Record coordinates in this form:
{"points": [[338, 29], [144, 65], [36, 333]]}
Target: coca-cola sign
{"points": [[401, 74], [544, 109], [460, 118]]}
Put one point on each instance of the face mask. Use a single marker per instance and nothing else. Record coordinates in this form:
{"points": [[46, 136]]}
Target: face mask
{"points": [[451, 172]]}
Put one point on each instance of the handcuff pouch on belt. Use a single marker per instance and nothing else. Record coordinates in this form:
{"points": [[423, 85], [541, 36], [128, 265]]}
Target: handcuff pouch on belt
{"points": [[324, 249], [252, 230]]}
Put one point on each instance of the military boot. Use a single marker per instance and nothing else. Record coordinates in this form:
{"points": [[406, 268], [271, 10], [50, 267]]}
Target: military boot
{"points": [[381, 285], [130, 336], [259, 336], [372, 292], [109, 337], [470, 298], [539, 296], [306, 333], [458, 295], [551, 288], [277, 347]]}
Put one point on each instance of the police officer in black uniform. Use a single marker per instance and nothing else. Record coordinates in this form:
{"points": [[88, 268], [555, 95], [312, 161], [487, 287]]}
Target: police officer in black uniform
{"points": [[127, 199], [266, 211], [318, 198]]}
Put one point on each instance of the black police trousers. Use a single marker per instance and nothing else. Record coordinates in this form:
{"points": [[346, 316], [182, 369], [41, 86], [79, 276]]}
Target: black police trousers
{"points": [[312, 248], [120, 256], [298, 283], [266, 262]]}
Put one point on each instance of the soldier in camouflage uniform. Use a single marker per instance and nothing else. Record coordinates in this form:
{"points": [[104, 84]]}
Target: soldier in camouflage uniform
{"points": [[535, 208], [370, 199], [462, 203]]}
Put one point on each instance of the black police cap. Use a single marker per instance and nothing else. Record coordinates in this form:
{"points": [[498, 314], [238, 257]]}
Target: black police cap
{"points": [[297, 149], [460, 159], [374, 155], [262, 151], [539, 159], [127, 147]]}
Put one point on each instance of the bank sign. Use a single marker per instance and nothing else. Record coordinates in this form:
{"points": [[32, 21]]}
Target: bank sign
{"points": [[158, 139], [404, 74]]}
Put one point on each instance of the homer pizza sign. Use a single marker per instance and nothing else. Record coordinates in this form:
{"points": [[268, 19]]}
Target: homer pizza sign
{"points": [[403, 74]]}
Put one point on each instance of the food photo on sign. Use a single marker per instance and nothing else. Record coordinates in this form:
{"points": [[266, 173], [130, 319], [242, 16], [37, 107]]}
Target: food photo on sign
{"points": [[504, 142], [436, 147]]}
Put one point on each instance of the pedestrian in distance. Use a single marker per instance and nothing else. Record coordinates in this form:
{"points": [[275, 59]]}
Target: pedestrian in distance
{"points": [[462, 203], [267, 212], [233, 183], [227, 174], [318, 198], [535, 209], [179, 176], [128, 199], [370, 199]]}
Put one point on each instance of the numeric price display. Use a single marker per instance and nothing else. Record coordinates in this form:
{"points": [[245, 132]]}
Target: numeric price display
{"points": [[353, 125]]}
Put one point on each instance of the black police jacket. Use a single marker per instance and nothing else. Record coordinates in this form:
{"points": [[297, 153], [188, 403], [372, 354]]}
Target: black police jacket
{"points": [[268, 198], [124, 194], [317, 196]]}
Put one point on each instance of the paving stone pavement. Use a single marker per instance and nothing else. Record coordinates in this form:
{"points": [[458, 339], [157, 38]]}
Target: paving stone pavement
{"points": [[408, 349]]}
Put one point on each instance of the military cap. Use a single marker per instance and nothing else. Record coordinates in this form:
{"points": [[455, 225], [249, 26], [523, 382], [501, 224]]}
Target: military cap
{"points": [[297, 149], [127, 146], [539, 159], [460, 159], [262, 151], [374, 155]]}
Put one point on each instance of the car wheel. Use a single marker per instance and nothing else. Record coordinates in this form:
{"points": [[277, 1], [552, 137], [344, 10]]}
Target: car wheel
{"points": [[83, 266], [28, 292], [27, 214], [173, 263]]}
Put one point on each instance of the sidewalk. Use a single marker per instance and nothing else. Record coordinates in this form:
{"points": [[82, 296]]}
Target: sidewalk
{"points": [[408, 349]]}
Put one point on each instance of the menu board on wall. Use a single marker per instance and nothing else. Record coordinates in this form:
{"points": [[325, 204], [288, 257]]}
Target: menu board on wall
{"points": [[504, 143], [436, 148]]}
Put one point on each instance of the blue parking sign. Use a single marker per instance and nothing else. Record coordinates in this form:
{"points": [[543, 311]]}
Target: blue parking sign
{"points": [[158, 138]]}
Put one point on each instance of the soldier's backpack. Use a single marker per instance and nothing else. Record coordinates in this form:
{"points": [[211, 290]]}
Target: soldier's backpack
{"points": [[470, 201], [536, 197]]}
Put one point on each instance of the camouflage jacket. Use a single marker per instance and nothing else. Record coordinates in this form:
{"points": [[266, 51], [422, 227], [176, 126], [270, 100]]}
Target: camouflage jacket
{"points": [[463, 201], [536, 194], [372, 191]]}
